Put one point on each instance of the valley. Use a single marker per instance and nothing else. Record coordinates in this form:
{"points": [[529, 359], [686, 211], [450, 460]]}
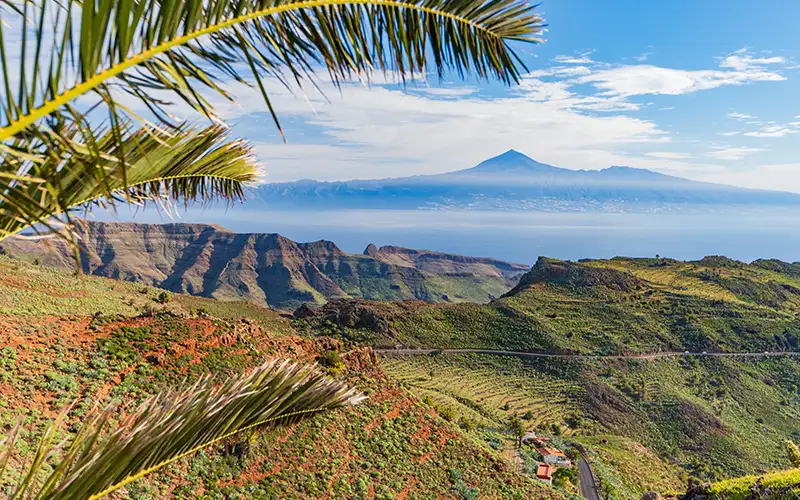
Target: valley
{"points": [[590, 356]]}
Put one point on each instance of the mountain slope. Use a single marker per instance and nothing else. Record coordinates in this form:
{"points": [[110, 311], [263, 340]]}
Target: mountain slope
{"points": [[513, 181], [90, 341], [622, 306], [268, 268], [707, 416]]}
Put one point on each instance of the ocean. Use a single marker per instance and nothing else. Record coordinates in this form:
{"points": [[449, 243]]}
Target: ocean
{"points": [[521, 236]]}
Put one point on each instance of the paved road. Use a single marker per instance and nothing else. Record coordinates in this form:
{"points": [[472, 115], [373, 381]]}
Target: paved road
{"points": [[586, 481], [518, 354]]}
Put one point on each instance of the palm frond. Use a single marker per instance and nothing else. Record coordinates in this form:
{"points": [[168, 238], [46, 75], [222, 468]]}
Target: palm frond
{"points": [[175, 424], [123, 164], [182, 46]]}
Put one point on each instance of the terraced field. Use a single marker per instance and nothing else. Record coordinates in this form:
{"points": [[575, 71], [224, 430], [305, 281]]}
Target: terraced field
{"points": [[487, 389]]}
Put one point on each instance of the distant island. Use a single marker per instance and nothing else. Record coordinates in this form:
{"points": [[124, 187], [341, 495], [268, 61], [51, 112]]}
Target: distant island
{"points": [[514, 182]]}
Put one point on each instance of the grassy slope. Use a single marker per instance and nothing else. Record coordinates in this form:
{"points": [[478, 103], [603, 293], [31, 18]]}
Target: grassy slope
{"points": [[739, 488], [622, 306], [709, 417], [93, 341], [712, 418]]}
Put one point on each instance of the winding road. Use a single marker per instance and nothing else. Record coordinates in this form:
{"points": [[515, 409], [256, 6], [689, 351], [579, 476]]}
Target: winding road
{"points": [[519, 354], [586, 482]]}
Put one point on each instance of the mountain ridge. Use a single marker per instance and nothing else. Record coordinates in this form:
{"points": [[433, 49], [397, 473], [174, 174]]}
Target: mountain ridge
{"points": [[513, 181], [211, 261]]}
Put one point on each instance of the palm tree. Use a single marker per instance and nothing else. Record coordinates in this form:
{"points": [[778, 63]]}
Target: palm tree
{"points": [[70, 140]]}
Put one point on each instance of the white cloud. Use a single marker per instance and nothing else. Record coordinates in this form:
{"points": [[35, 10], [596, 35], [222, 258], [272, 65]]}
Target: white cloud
{"points": [[740, 116], [779, 177], [732, 152], [742, 61], [647, 79], [773, 131], [730, 134], [738, 68], [642, 57], [383, 131], [579, 59], [669, 155], [380, 132], [448, 92]]}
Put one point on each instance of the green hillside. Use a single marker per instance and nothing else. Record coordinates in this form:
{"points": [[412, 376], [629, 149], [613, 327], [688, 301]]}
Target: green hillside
{"points": [[93, 341], [438, 425], [700, 416], [620, 306], [773, 486]]}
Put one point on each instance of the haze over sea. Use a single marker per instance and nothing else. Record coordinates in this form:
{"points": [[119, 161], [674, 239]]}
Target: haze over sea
{"points": [[523, 236]]}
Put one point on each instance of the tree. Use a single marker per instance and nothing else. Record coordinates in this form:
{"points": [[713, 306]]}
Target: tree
{"points": [[517, 427], [59, 154], [173, 425], [563, 476], [793, 452]]}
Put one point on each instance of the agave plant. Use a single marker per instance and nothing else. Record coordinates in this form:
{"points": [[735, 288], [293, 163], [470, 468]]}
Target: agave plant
{"points": [[67, 125], [171, 426]]}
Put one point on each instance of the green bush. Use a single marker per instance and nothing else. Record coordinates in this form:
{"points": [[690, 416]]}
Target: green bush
{"points": [[446, 413], [332, 359], [793, 452]]}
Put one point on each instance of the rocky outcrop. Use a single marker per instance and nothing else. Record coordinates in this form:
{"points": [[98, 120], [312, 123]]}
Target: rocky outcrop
{"points": [[576, 275], [348, 314], [210, 261]]}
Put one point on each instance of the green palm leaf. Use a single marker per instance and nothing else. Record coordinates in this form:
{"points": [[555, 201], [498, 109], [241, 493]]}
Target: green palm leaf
{"points": [[157, 45], [143, 164], [175, 424]]}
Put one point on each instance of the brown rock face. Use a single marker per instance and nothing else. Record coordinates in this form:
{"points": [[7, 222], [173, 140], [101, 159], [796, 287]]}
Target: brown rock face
{"points": [[210, 261], [349, 313]]}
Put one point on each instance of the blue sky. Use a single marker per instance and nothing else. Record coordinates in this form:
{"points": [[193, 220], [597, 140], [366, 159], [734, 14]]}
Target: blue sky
{"points": [[705, 89]]}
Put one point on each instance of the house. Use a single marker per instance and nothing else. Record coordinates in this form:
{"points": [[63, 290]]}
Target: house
{"points": [[544, 473], [553, 456]]}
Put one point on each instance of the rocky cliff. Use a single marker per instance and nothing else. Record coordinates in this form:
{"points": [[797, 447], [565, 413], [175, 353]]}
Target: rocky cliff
{"points": [[210, 261]]}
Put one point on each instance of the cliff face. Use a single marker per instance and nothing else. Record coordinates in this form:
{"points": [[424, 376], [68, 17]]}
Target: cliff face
{"points": [[210, 261]]}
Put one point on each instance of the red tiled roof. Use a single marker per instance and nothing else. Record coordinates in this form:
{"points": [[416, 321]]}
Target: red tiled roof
{"points": [[550, 451], [544, 471]]}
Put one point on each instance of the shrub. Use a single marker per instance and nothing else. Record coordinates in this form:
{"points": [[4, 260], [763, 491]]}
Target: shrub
{"points": [[162, 298], [447, 413], [516, 427], [332, 359], [466, 424], [793, 452], [563, 476]]}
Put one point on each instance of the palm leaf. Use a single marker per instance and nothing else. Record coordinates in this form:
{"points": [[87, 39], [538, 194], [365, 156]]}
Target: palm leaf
{"points": [[175, 424], [185, 163], [178, 46]]}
